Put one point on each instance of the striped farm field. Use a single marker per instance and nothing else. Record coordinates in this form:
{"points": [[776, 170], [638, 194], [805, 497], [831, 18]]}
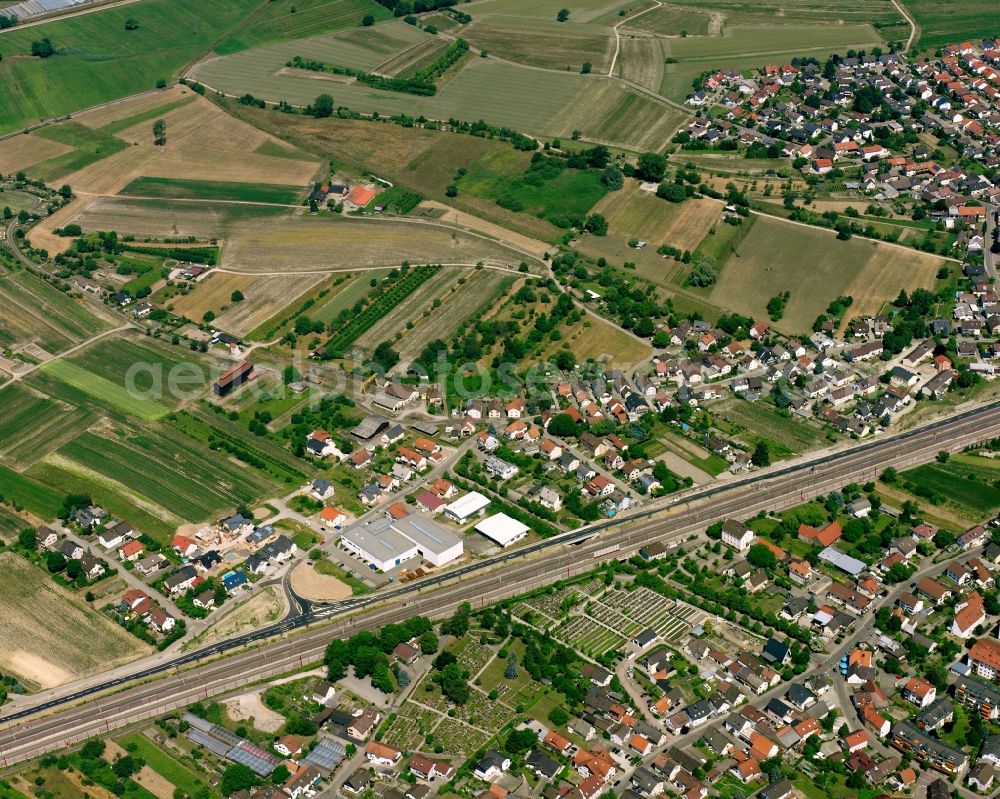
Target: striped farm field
{"points": [[474, 293], [547, 44], [410, 307], [33, 496], [165, 477], [610, 113], [97, 60], [102, 391], [34, 311], [32, 425]]}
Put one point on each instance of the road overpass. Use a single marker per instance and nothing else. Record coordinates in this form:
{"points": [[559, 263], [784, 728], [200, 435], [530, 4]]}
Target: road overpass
{"points": [[67, 717]]}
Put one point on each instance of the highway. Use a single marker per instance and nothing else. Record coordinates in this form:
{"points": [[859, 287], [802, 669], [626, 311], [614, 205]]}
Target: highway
{"points": [[59, 720]]}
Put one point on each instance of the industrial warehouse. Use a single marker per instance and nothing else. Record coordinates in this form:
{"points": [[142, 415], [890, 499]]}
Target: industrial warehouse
{"points": [[385, 543]]}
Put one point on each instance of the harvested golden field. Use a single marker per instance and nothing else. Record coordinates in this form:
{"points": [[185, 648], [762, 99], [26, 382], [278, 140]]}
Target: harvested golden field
{"points": [[816, 268], [634, 212], [203, 143], [48, 636], [212, 293], [640, 60], [20, 152], [543, 44], [265, 297], [325, 244], [165, 218]]}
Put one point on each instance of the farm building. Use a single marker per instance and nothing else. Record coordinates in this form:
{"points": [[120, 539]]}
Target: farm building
{"points": [[502, 529], [235, 377], [385, 543], [464, 508]]}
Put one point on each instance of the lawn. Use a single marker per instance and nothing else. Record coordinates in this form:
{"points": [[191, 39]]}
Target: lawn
{"points": [[97, 60], [967, 483], [176, 189]]}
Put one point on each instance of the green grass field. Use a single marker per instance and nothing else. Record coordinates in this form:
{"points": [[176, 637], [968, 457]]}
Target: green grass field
{"points": [[177, 189], [760, 421], [500, 93], [967, 483], [91, 146], [283, 20], [104, 391], [98, 60], [501, 174], [146, 366], [156, 468], [29, 494], [953, 21], [10, 523]]}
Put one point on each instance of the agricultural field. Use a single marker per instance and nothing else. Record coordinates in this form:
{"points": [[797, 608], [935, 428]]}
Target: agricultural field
{"points": [[100, 390], [96, 60], [324, 244], [774, 13], [633, 212], [32, 425], [29, 494], [416, 158], [480, 290], [18, 200], [212, 293], [168, 767], [770, 260], [264, 297], [155, 479], [48, 636], [640, 60], [547, 44], [410, 308], [672, 20], [35, 312], [142, 365], [593, 337], [968, 485], [759, 421], [498, 92], [166, 218], [176, 189], [958, 20], [278, 22], [608, 113], [583, 11]]}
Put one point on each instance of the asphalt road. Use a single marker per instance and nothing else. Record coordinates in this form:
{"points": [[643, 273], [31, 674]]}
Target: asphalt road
{"points": [[60, 719]]}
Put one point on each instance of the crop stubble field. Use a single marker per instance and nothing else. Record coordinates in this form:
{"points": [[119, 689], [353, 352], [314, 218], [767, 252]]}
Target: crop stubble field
{"points": [[48, 636]]}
